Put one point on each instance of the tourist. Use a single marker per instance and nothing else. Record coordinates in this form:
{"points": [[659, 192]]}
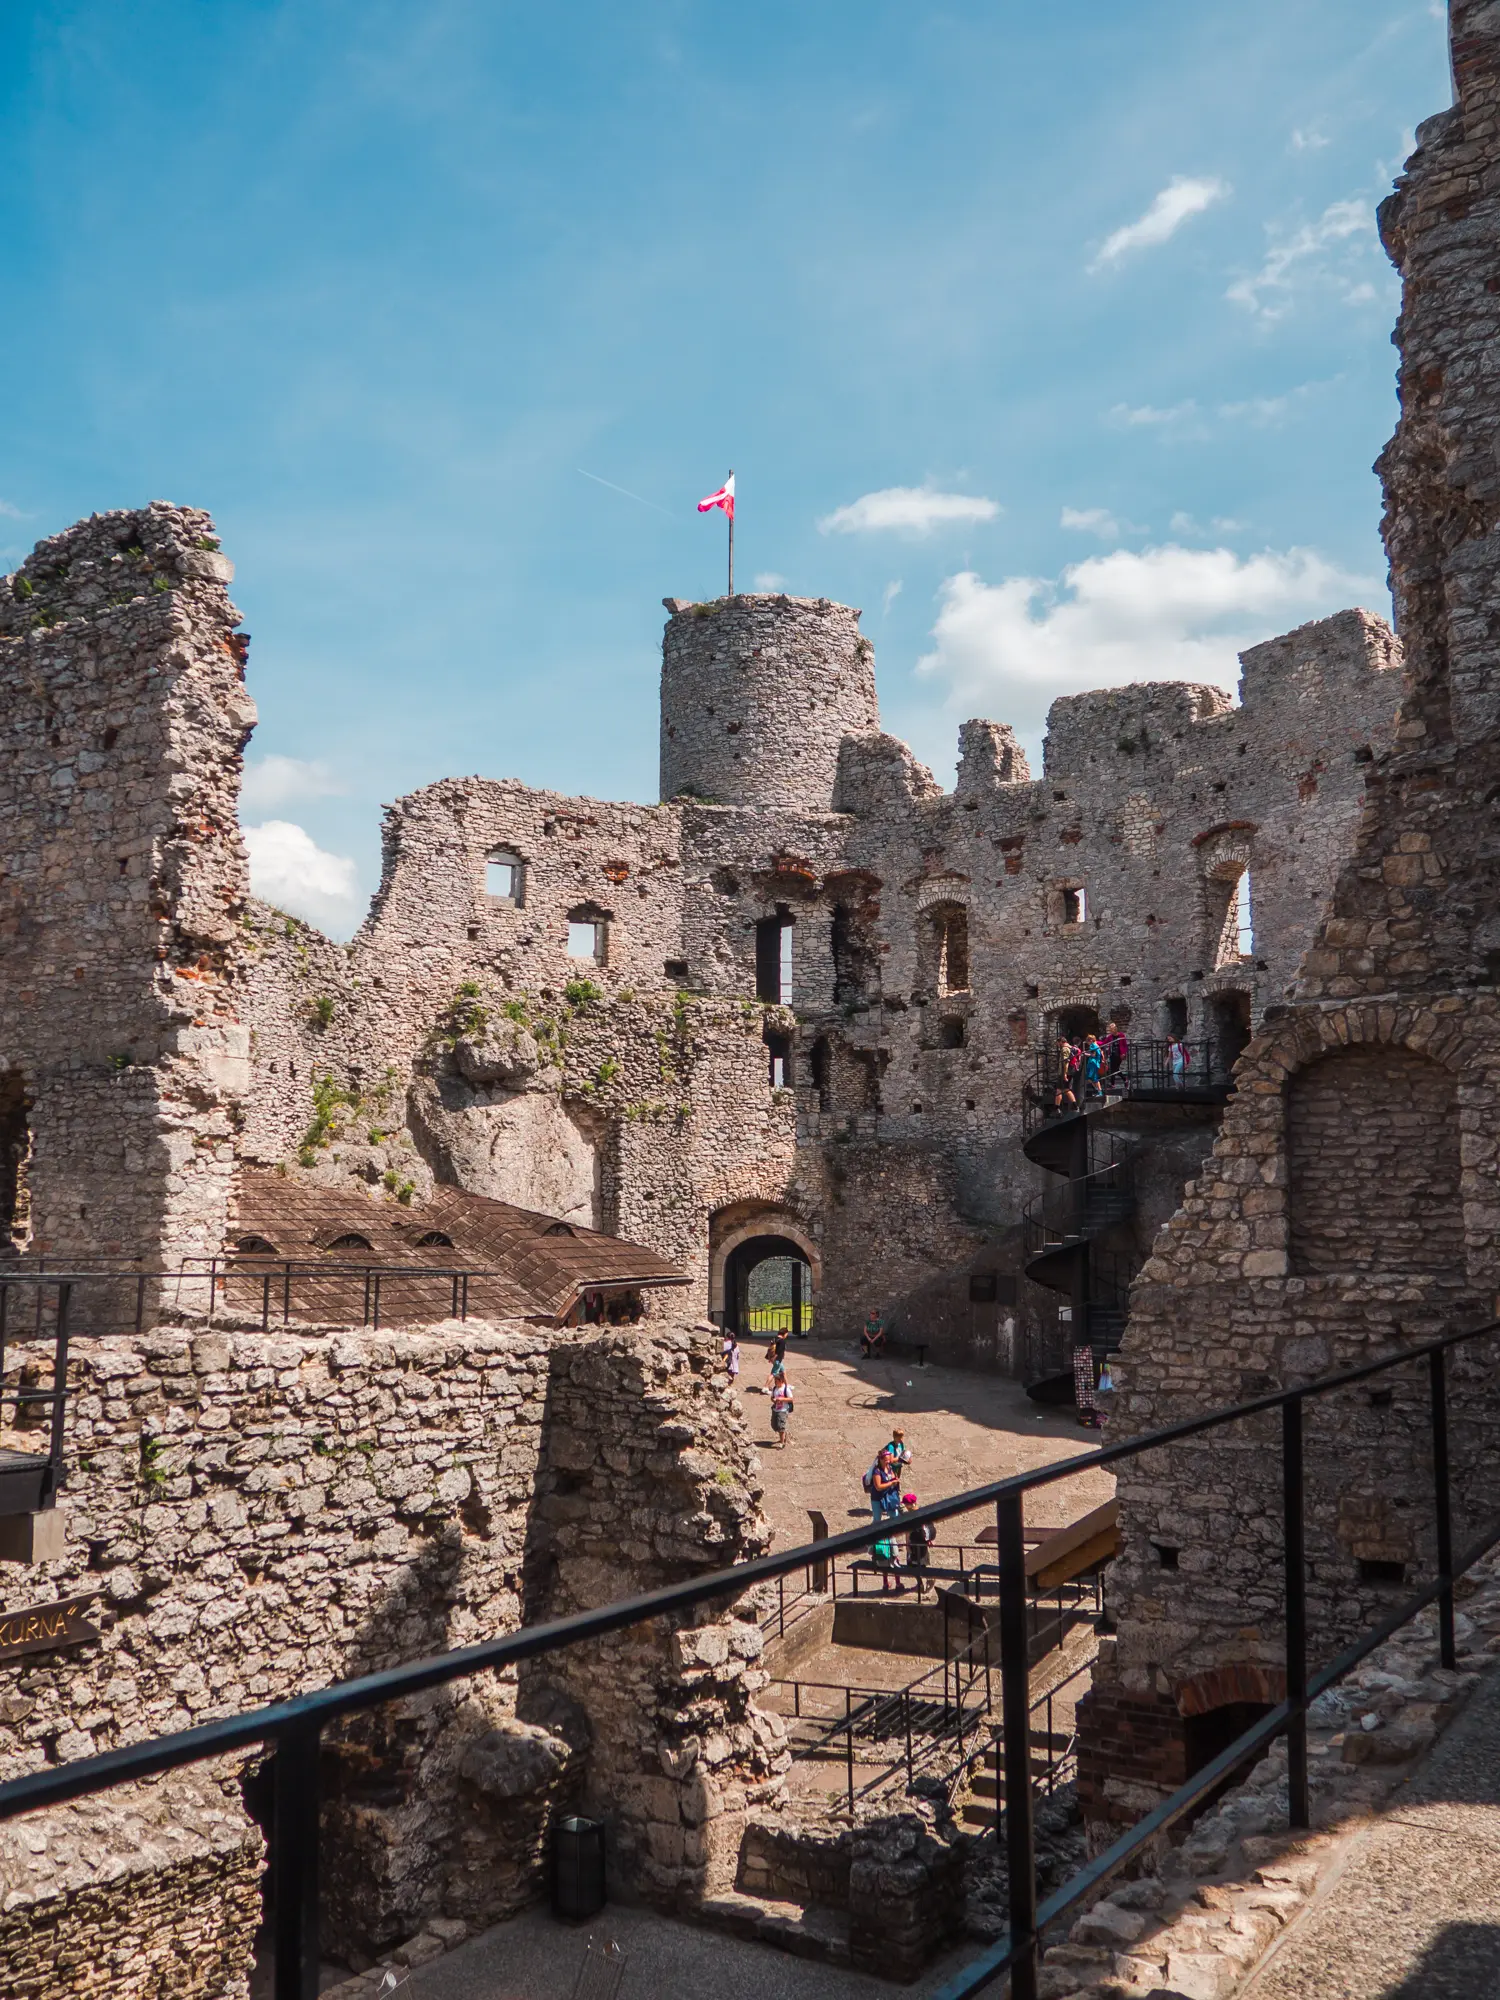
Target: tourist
{"points": [[1177, 1060], [1116, 1049], [781, 1408], [883, 1484], [919, 1540], [1092, 1065], [1064, 1097], [872, 1337], [731, 1357], [775, 1361], [886, 1561], [898, 1451]]}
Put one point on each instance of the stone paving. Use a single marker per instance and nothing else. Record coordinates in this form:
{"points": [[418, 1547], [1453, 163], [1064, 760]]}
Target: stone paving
{"points": [[963, 1429], [1390, 1896]]}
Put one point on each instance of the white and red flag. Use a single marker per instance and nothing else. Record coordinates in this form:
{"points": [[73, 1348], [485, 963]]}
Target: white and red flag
{"points": [[723, 498]]}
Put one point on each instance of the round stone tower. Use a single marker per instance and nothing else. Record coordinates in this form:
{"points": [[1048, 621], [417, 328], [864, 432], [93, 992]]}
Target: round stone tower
{"points": [[756, 694]]}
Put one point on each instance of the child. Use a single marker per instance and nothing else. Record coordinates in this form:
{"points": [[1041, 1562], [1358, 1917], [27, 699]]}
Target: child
{"points": [[885, 1561], [918, 1540], [731, 1358], [781, 1407]]}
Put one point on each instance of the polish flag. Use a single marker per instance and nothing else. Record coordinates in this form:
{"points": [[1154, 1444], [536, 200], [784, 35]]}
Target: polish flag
{"points": [[723, 498]]}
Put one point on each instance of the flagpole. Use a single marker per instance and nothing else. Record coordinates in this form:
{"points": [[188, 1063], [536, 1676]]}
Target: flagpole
{"points": [[731, 542]]}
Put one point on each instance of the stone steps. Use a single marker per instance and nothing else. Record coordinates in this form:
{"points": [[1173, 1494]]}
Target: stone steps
{"points": [[804, 1930]]}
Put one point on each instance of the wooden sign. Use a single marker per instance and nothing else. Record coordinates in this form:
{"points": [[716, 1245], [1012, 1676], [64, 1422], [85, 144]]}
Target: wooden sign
{"points": [[47, 1628]]}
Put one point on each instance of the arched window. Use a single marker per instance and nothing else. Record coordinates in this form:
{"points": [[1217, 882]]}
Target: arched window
{"points": [[351, 1240], [943, 949], [255, 1246], [434, 1239], [505, 877]]}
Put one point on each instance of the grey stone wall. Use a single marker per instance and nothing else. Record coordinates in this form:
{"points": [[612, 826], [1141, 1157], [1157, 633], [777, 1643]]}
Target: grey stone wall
{"points": [[757, 693], [123, 713], [150, 1890], [1350, 1204], [262, 1515]]}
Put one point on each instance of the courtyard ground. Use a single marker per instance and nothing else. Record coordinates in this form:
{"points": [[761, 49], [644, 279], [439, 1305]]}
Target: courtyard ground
{"points": [[963, 1429]]}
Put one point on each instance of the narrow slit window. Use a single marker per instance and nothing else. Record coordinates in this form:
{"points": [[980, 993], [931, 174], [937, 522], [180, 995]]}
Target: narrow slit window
{"points": [[1074, 906], [773, 959]]}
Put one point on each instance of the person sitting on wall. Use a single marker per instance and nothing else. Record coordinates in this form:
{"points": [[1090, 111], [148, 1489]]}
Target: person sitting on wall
{"points": [[872, 1337], [1064, 1097]]}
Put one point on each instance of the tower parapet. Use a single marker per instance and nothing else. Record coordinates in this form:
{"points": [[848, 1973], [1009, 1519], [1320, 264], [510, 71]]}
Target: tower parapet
{"points": [[757, 693]]}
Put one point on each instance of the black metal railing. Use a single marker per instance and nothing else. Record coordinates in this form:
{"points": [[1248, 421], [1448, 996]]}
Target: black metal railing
{"points": [[1198, 1071], [294, 1727], [42, 1312]]}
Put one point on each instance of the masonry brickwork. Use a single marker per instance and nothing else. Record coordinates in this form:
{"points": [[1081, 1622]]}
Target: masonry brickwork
{"points": [[258, 1516], [933, 949], [123, 1058], [1351, 1202]]}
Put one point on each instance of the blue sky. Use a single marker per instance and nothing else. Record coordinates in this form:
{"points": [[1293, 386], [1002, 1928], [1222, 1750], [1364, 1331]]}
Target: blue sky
{"points": [[1055, 337]]}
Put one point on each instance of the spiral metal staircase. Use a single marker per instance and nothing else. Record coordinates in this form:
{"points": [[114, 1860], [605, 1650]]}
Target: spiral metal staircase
{"points": [[1094, 1187]]}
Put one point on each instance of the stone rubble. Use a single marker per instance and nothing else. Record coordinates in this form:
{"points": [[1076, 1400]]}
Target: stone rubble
{"points": [[1198, 1926]]}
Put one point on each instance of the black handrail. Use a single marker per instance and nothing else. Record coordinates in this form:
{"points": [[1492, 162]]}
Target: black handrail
{"points": [[295, 1725]]}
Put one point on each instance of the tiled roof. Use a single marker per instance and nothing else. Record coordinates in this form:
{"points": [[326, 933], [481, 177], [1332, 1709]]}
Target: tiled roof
{"points": [[533, 1266]]}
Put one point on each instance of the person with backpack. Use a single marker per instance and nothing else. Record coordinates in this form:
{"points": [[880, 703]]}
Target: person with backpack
{"points": [[1116, 1049], [919, 1540], [781, 1409], [883, 1484], [1064, 1097]]}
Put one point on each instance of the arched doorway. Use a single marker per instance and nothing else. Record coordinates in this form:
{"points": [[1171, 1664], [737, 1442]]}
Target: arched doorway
{"points": [[768, 1287]]}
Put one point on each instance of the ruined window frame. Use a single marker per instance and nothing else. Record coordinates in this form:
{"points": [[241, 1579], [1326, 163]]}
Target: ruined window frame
{"points": [[506, 859]]}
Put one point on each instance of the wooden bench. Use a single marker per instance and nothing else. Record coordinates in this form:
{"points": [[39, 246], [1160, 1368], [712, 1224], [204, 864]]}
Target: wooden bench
{"points": [[1072, 1551], [904, 1349]]}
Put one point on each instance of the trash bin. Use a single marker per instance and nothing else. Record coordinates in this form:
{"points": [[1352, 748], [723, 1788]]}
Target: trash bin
{"points": [[578, 1868]]}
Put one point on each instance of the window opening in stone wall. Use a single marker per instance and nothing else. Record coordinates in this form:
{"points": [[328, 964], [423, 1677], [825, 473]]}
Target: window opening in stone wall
{"points": [[853, 959], [1230, 1014], [943, 949], [779, 1047], [504, 877], [1177, 1016], [773, 959], [585, 936], [1230, 917], [951, 1032], [1074, 906], [15, 1157]]}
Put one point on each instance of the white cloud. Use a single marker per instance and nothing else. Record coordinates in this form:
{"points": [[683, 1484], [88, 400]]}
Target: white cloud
{"points": [[1306, 255], [275, 781], [1130, 416], [1169, 613], [911, 510], [11, 511], [289, 869], [1308, 139], [769, 580], [1180, 200], [891, 593], [1092, 521]]}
